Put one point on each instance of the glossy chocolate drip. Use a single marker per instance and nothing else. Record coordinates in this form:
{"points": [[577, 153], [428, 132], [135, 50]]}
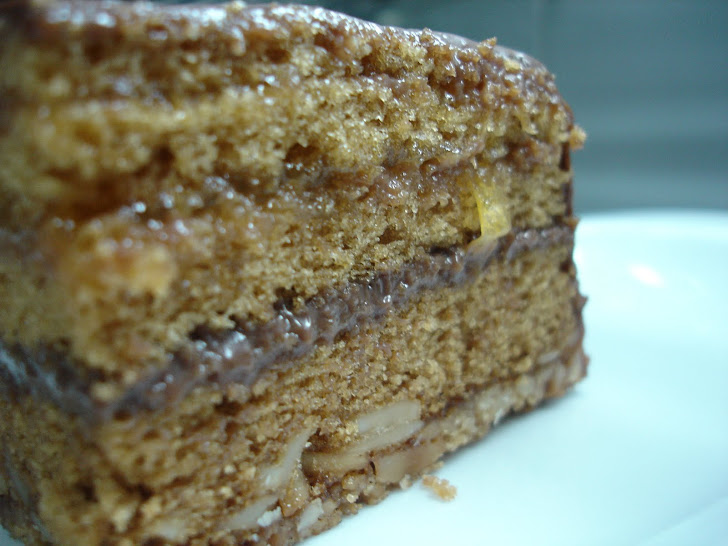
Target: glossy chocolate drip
{"points": [[241, 354]]}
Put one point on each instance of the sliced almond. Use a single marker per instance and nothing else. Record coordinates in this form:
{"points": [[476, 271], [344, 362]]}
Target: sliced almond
{"points": [[548, 357], [270, 517], [275, 477], [394, 415], [333, 464], [385, 427], [310, 515], [297, 494], [248, 517], [381, 438], [356, 455], [171, 529], [392, 467]]}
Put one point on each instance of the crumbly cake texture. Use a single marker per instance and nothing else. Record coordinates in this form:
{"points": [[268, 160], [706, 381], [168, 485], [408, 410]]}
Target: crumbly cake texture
{"points": [[262, 264]]}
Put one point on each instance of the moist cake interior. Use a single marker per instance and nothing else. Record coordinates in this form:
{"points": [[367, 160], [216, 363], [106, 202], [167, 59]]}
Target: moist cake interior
{"points": [[261, 265]]}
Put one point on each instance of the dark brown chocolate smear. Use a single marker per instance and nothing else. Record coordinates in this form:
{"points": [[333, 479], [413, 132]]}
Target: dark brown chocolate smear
{"points": [[241, 354]]}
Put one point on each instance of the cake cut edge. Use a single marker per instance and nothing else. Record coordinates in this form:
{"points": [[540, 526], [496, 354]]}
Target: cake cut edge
{"points": [[104, 484]]}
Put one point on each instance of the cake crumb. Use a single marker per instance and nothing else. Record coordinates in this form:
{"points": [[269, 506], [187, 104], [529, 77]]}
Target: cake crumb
{"points": [[440, 486]]}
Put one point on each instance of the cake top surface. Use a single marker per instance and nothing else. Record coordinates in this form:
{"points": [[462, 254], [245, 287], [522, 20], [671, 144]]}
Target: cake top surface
{"points": [[78, 60], [236, 27], [147, 21]]}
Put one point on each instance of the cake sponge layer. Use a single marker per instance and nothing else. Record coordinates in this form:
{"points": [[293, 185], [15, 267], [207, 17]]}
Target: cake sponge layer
{"points": [[168, 168], [312, 439]]}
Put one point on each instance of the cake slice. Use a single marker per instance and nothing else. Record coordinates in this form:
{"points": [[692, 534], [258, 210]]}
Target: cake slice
{"points": [[261, 265]]}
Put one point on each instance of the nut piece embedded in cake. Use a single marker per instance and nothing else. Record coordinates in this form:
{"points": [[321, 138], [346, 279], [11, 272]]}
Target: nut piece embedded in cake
{"points": [[382, 428]]}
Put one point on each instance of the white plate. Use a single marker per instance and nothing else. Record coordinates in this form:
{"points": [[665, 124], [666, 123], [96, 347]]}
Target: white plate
{"points": [[638, 452]]}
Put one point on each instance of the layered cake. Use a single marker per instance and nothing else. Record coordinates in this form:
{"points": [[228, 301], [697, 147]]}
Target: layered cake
{"points": [[260, 265]]}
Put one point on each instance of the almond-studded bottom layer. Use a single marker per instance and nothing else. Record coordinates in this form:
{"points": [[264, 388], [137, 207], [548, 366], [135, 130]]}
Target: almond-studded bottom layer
{"points": [[309, 442]]}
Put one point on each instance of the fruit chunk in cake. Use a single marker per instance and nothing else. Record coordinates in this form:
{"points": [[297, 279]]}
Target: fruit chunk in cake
{"points": [[261, 264]]}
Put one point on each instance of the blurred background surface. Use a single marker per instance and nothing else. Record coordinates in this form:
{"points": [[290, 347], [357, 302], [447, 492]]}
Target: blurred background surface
{"points": [[647, 80]]}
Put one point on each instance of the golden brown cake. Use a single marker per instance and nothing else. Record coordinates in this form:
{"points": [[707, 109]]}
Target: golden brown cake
{"points": [[261, 265]]}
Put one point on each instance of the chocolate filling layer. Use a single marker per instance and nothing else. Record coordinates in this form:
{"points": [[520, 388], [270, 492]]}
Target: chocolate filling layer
{"points": [[241, 354]]}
